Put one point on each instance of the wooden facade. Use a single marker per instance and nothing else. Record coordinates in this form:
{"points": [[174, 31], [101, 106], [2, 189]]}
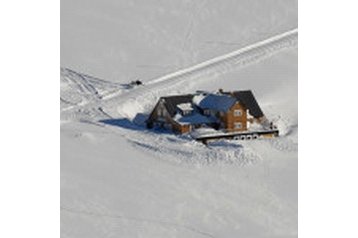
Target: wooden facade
{"points": [[183, 128], [160, 117], [235, 119], [232, 119]]}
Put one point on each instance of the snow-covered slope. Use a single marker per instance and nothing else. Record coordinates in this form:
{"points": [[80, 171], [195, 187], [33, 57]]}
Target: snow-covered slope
{"points": [[141, 99], [123, 40], [119, 179]]}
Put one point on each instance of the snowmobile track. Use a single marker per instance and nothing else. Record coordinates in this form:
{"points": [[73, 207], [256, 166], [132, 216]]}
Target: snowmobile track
{"points": [[170, 83], [82, 83]]}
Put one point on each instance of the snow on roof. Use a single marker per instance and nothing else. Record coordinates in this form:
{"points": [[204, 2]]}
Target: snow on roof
{"points": [[217, 102], [194, 118], [172, 101], [185, 106]]}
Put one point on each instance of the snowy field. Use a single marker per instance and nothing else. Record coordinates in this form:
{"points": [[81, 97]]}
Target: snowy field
{"points": [[122, 40], [119, 179]]}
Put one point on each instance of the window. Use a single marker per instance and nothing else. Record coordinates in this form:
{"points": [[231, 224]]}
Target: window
{"points": [[160, 112], [186, 112], [238, 113], [206, 112], [185, 108], [237, 125]]}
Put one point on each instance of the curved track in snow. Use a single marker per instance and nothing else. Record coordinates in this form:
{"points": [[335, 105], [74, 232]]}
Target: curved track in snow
{"points": [[140, 99]]}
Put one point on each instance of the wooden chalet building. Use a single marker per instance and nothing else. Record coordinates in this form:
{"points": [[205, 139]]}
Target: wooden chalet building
{"points": [[229, 111]]}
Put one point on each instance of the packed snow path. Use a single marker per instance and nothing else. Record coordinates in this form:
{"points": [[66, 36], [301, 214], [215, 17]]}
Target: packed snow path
{"points": [[127, 103]]}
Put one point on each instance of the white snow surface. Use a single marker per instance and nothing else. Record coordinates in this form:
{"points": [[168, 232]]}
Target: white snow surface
{"points": [[185, 106], [193, 118], [119, 179], [122, 40], [216, 102]]}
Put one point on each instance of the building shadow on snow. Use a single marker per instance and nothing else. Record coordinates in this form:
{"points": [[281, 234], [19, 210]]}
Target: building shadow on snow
{"points": [[137, 124], [124, 123]]}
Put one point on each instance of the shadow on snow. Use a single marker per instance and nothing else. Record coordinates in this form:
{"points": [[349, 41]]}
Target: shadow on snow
{"points": [[137, 124]]}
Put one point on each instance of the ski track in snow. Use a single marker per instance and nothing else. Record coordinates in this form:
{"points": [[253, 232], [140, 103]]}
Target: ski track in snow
{"points": [[117, 102], [89, 99], [77, 89]]}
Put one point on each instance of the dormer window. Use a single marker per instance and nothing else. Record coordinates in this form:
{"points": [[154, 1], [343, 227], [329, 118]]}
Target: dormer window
{"points": [[207, 112], [186, 112], [185, 108]]}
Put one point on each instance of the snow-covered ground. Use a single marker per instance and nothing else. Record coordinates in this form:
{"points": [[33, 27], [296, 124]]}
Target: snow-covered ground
{"points": [[122, 40], [120, 180]]}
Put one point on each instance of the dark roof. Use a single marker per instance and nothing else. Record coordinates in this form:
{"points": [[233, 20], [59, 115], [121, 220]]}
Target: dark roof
{"points": [[245, 97], [171, 102], [249, 101]]}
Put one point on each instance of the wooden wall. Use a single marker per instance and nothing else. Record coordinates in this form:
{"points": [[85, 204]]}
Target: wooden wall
{"points": [[229, 118]]}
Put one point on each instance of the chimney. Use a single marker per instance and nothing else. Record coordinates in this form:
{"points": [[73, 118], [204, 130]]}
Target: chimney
{"points": [[221, 90]]}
